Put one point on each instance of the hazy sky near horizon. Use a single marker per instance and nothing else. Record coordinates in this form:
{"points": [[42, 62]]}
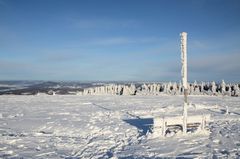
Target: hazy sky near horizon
{"points": [[118, 40]]}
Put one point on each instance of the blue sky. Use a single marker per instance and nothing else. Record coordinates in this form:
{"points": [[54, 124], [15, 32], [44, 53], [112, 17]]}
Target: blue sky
{"points": [[118, 40]]}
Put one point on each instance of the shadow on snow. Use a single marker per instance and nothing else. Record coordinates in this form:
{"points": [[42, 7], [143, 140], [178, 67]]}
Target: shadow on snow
{"points": [[143, 125]]}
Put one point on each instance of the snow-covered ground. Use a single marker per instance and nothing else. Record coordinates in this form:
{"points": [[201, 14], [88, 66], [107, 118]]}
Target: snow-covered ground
{"points": [[73, 126]]}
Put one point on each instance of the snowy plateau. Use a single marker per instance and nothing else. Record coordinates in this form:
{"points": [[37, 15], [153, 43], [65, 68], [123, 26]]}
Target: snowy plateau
{"points": [[111, 126]]}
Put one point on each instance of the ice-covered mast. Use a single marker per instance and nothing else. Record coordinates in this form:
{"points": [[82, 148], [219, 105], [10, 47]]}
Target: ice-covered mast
{"points": [[195, 121], [184, 77]]}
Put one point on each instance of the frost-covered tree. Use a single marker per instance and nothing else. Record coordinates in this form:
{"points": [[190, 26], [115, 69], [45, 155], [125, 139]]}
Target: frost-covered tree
{"points": [[223, 87], [132, 89], [180, 88], [228, 90], [174, 88], [213, 87], [202, 87], [158, 88], [169, 86], [236, 90], [191, 89], [165, 88]]}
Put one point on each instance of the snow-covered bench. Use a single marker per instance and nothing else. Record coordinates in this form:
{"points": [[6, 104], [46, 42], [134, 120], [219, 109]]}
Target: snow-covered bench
{"points": [[162, 123]]}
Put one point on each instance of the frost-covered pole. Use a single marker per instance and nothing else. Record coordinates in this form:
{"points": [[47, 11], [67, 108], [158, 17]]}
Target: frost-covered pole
{"points": [[184, 77]]}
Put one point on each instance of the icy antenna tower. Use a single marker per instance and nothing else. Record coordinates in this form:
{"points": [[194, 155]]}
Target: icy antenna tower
{"points": [[184, 77]]}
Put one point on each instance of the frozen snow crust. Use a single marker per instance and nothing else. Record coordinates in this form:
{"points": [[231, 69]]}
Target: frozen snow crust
{"points": [[110, 126]]}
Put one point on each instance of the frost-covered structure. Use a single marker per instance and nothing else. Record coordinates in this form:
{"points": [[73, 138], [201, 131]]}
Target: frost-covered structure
{"points": [[184, 78], [167, 125]]}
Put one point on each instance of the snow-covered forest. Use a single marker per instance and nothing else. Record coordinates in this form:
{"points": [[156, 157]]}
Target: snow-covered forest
{"points": [[171, 88]]}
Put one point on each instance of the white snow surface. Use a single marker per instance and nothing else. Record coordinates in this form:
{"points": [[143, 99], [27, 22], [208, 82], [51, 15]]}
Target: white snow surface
{"points": [[113, 127]]}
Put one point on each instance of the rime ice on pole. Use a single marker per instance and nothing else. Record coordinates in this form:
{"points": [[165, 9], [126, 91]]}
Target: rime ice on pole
{"points": [[184, 77]]}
